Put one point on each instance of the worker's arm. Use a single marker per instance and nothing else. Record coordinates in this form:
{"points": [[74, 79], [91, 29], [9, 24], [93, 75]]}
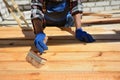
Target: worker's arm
{"points": [[37, 15], [76, 10], [79, 33], [37, 9], [77, 20], [38, 21]]}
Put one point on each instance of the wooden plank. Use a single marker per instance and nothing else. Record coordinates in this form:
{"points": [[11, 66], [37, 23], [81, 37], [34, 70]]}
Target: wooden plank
{"points": [[63, 66], [17, 28], [85, 47], [106, 34], [101, 21], [96, 36], [24, 75], [57, 30], [53, 28], [65, 56], [112, 12], [15, 42], [59, 47], [97, 14], [92, 31], [49, 66], [61, 37], [79, 56], [51, 41], [17, 35]]}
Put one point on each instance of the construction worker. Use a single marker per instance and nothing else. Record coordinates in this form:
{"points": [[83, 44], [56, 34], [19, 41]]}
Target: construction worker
{"points": [[57, 13]]}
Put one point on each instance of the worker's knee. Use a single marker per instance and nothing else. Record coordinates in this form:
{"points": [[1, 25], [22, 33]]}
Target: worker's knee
{"points": [[38, 25]]}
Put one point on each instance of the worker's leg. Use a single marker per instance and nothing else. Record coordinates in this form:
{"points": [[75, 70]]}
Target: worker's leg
{"points": [[69, 23]]}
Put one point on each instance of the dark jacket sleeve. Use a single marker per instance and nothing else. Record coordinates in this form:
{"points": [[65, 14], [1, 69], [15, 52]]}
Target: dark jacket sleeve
{"points": [[76, 6], [37, 9]]}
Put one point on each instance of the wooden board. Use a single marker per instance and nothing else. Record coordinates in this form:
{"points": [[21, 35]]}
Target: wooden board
{"points": [[80, 66], [97, 46], [97, 14], [64, 56], [36, 75], [97, 32], [101, 21]]}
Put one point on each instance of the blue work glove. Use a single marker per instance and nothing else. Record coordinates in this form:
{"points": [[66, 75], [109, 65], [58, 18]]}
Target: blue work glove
{"points": [[39, 42], [84, 36]]}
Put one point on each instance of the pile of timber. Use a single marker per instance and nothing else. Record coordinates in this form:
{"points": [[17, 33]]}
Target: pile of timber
{"points": [[67, 58]]}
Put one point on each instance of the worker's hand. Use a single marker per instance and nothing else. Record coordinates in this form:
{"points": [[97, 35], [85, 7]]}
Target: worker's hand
{"points": [[83, 36], [39, 42]]}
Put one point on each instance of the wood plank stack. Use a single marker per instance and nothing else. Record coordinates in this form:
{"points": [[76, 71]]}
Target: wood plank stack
{"points": [[67, 58]]}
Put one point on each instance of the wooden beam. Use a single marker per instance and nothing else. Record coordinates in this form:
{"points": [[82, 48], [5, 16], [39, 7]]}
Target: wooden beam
{"points": [[54, 28], [97, 14], [98, 36], [65, 56], [61, 47], [31, 75], [14, 42], [63, 66], [57, 40], [111, 12], [16, 28], [98, 33], [101, 21]]}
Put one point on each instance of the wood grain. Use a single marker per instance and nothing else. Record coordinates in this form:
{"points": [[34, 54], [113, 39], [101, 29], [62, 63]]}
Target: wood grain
{"points": [[74, 75], [67, 58]]}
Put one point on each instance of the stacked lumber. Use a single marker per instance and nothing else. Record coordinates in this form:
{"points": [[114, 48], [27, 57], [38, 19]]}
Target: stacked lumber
{"points": [[67, 58]]}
